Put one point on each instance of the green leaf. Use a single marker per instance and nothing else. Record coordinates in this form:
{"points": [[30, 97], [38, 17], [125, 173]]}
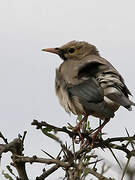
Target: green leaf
{"points": [[7, 176], [79, 117], [70, 126], [48, 129], [46, 132]]}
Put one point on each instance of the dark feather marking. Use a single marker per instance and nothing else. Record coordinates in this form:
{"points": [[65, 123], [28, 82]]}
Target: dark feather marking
{"points": [[94, 100], [88, 90], [62, 54], [88, 69], [123, 88], [120, 99], [92, 68], [110, 72], [91, 96], [125, 91]]}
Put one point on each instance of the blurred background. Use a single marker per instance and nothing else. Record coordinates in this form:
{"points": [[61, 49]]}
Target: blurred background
{"points": [[27, 74]]}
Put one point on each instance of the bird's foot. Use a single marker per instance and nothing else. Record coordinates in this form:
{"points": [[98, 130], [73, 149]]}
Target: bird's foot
{"points": [[87, 143], [94, 135], [93, 140]]}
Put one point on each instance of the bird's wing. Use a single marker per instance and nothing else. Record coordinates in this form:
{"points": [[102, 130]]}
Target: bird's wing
{"points": [[91, 97], [109, 79], [90, 68], [88, 90]]}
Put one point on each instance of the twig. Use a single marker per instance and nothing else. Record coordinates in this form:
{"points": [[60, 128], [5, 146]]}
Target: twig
{"points": [[120, 139], [48, 172], [4, 139], [126, 167], [115, 157], [96, 174], [36, 159], [43, 123], [48, 154], [24, 135], [129, 140], [122, 148]]}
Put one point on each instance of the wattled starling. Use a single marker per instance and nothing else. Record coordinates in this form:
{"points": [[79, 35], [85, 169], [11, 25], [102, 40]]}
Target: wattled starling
{"points": [[87, 84]]}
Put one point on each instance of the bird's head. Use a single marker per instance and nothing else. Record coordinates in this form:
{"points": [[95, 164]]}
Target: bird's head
{"points": [[75, 50]]}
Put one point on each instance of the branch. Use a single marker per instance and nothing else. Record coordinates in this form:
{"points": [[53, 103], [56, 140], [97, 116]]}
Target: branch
{"points": [[36, 159], [56, 129], [98, 142], [16, 148], [96, 174], [13, 146], [120, 139], [48, 172], [4, 139]]}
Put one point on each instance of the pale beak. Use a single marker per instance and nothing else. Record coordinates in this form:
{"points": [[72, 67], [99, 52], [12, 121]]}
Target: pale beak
{"points": [[52, 50]]}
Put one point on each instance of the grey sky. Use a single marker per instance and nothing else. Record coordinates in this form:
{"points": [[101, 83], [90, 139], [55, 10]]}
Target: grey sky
{"points": [[27, 74]]}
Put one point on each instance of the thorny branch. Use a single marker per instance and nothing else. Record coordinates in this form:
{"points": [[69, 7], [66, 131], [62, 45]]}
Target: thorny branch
{"points": [[107, 143], [98, 143], [76, 164], [41, 160], [4, 139], [48, 172], [41, 124]]}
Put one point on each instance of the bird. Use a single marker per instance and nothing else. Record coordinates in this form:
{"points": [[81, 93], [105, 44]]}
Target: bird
{"points": [[87, 84]]}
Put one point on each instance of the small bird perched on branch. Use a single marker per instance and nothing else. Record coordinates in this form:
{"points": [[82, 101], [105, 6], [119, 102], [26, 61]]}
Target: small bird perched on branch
{"points": [[87, 84]]}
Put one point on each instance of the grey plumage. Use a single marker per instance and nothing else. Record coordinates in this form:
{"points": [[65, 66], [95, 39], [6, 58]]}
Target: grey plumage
{"points": [[88, 84]]}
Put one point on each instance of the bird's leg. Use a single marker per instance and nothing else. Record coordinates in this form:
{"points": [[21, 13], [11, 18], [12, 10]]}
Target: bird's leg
{"points": [[100, 121], [98, 131], [77, 127]]}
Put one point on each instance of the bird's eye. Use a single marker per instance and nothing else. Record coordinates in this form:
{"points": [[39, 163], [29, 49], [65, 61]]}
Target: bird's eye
{"points": [[71, 50]]}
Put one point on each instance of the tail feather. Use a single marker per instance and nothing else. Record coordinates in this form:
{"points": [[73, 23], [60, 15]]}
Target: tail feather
{"points": [[130, 107], [132, 103]]}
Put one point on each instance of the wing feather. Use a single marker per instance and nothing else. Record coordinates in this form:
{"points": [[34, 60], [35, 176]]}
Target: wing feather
{"points": [[91, 97], [110, 80]]}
